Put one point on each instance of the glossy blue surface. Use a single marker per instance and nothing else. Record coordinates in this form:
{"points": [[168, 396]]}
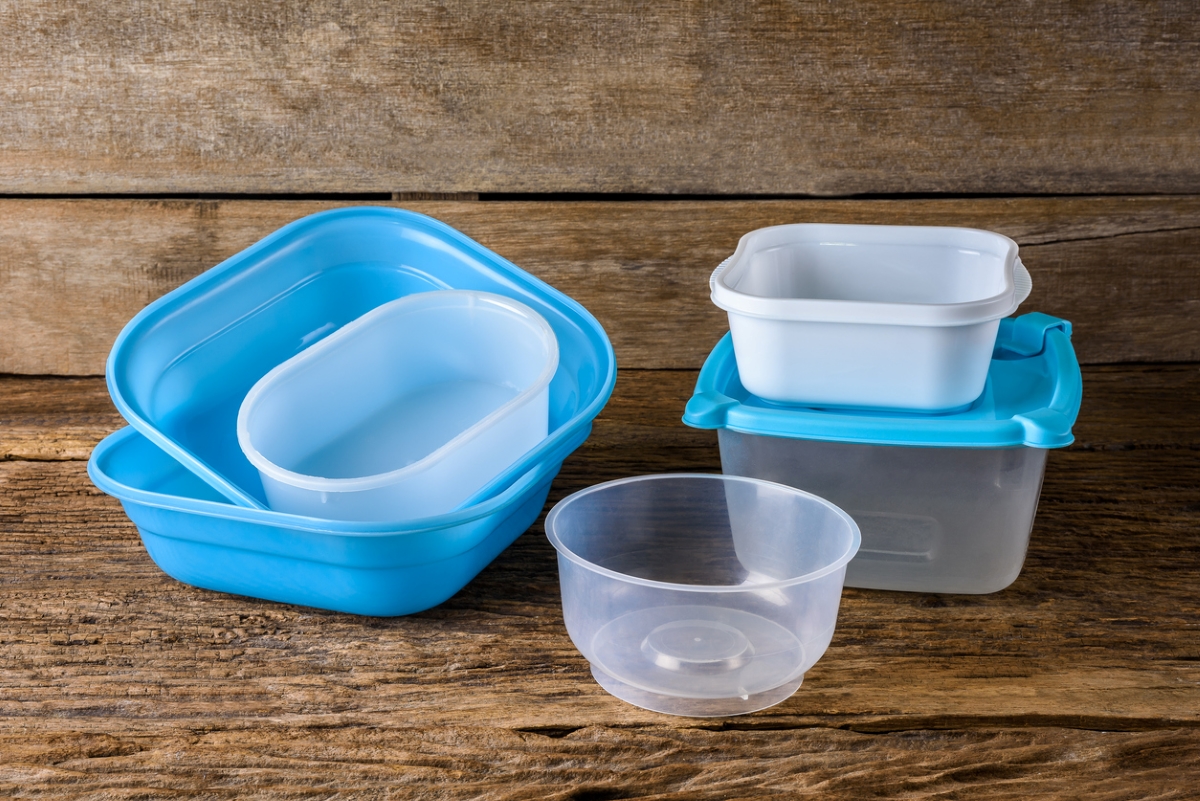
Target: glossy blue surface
{"points": [[179, 370], [196, 536], [1031, 398]]}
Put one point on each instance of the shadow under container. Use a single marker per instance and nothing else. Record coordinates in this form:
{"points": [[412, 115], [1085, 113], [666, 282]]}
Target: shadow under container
{"points": [[945, 503], [700, 595]]}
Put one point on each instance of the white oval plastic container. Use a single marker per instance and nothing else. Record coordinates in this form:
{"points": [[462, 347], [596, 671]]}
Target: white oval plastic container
{"points": [[406, 411], [870, 316], [700, 595]]}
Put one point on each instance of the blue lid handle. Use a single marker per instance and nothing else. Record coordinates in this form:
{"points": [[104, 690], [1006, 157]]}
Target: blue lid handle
{"points": [[1026, 335], [1045, 428], [708, 409], [1068, 389]]}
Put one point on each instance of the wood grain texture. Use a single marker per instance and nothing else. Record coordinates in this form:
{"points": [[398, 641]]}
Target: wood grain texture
{"points": [[54, 418], [648, 762], [799, 97], [1098, 632], [1081, 680], [1125, 407], [1123, 270]]}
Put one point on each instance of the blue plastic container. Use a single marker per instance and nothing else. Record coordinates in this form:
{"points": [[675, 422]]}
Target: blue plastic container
{"points": [[196, 536], [945, 502], [179, 370]]}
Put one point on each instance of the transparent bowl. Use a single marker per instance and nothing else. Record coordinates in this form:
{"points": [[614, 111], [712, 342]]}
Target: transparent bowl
{"points": [[700, 595]]}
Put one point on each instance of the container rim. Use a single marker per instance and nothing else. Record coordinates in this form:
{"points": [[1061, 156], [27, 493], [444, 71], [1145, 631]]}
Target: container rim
{"points": [[227, 510], [1017, 283], [448, 298], [837, 564]]}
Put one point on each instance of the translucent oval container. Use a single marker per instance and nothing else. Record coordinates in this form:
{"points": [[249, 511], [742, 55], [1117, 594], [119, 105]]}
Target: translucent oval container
{"points": [[868, 316], [700, 595], [405, 412]]}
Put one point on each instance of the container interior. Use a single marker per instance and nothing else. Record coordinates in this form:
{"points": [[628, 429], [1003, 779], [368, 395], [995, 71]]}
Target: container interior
{"points": [[186, 366], [954, 268], [932, 519], [398, 388], [702, 530], [139, 464]]}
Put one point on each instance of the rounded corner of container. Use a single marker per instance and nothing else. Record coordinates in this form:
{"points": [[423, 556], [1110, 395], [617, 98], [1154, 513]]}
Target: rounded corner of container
{"points": [[94, 470]]}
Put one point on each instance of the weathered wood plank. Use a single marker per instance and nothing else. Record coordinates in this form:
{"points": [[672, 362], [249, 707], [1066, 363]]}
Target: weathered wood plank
{"points": [[274, 760], [54, 418], [1098, 632], [609, 96], [1122, 269], [1124, 407], [1079, 681]]}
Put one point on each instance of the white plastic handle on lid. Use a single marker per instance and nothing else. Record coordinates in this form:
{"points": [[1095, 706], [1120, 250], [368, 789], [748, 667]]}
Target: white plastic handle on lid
{"points": [[1022, 285], [712, 279]]}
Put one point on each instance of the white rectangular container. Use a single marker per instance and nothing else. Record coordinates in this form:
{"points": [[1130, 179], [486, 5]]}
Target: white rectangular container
{"points": [[405, 412], [870, 316]]}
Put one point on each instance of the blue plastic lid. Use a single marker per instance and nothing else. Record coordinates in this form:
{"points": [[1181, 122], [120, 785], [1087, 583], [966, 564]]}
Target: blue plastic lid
{"points": [[1031, 398]]}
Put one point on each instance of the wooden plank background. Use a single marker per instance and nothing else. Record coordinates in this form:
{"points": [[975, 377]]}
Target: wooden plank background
{"points": [[1122, 269], [618, 150], [805, 97]]}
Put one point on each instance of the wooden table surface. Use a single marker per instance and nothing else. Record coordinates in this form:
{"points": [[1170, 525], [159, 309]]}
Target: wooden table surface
{"points": [[618, 151], [1082, 679]]}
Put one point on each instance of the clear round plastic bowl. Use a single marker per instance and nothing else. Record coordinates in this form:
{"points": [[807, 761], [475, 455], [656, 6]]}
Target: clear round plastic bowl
{"points": [[700, 595]]}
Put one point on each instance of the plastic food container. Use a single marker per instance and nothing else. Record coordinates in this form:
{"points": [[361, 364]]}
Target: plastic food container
{"points": [[196, 536], [872, 316], [945, 502], [700, 595], [405, 412], [181, 368]]}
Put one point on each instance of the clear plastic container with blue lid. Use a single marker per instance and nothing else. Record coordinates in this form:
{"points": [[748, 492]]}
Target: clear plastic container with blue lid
{"points": [[945, 502]]}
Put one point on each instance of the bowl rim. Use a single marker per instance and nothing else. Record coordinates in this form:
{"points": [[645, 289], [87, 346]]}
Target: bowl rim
{"points": [[837, 564]]}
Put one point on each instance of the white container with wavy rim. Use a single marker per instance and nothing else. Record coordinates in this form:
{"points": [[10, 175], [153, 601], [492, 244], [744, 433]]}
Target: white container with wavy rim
{"points": [[405, 412], [870, 316]]}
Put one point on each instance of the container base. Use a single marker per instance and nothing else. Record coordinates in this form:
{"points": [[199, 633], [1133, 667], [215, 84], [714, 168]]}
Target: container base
{"points": [[695, 707]]}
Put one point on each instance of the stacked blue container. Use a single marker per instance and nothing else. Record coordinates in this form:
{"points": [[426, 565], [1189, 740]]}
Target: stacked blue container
{"points": [[181, 369]]}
